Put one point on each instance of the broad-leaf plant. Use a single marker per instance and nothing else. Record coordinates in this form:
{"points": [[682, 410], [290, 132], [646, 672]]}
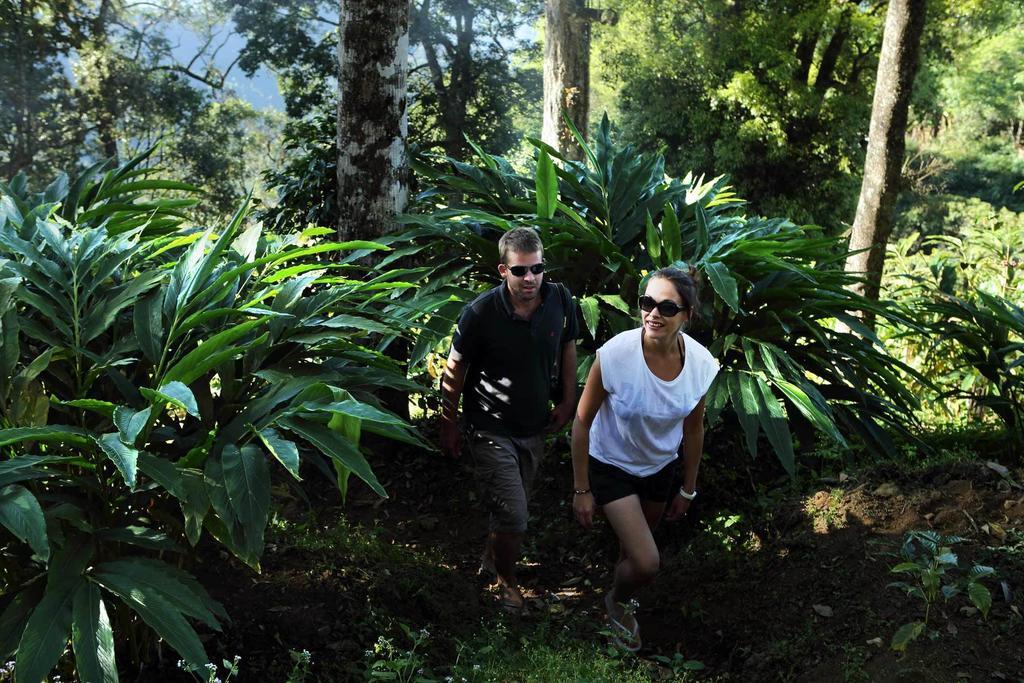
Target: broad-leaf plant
{"points": [[154, 379], [774, 293]]}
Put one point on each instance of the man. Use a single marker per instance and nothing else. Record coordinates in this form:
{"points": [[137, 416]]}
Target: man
{"points": [[513, 345]]}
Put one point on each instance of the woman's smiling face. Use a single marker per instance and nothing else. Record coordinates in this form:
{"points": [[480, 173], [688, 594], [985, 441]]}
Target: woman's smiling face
{"points": [[656, 325]]}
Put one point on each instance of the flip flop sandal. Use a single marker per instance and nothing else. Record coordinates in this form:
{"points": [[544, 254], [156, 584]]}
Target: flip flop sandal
{"points": [[623, 636], [511, 606]]}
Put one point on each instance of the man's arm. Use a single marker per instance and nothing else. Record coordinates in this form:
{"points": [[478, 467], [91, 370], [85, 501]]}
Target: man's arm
{"points": [[452, 381], [562, 413]]}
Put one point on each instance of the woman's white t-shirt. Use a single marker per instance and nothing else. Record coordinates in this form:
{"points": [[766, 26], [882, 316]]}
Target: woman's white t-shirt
{"points": [[639, 427]]}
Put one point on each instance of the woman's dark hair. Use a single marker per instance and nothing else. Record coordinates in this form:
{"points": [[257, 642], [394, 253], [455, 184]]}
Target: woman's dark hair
{"points": [[685, 283]]}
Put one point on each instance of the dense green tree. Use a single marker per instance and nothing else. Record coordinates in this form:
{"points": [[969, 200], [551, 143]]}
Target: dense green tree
{"points": [[462, 81], [39, 124], [87, 80], [776, 94]]}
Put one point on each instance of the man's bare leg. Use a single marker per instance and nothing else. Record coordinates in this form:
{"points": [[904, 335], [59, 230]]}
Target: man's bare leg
{"points": [[503, 550]]}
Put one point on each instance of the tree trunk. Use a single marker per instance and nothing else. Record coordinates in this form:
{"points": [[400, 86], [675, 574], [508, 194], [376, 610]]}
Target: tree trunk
{"points": [[373, 166], [566, 74], [897, 67]]}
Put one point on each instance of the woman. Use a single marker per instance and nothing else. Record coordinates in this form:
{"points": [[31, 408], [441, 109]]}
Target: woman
{"points": [[644, 396]]}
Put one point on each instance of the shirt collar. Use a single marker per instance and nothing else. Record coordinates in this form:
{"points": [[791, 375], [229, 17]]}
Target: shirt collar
{"points": [[506, 298]]}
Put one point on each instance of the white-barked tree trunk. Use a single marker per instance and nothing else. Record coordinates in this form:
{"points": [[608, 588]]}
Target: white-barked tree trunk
{"points": [[373, 165]]}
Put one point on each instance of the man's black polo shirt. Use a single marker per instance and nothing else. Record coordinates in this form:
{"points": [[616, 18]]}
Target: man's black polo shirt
{"points": [[512, 361]]}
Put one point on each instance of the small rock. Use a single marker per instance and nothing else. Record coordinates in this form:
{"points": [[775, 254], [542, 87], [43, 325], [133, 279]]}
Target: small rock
{"points": [[887, 490], [952, 629], [823, 610], [968, 611], [877, 642]]}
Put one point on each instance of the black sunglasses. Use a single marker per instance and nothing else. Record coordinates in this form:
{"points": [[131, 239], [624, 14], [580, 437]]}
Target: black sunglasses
{"points": [[519, 271], [666, 308]]}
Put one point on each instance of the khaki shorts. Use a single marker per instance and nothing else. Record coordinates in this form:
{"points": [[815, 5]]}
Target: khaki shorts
{"points": [[505, 467]]}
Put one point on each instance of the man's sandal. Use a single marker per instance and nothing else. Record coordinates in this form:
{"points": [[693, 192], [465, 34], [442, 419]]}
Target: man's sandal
{"points": [[623, 636], [486, 566], [510, 605]]}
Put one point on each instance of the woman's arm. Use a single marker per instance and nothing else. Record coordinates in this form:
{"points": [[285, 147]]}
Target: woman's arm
{"points": [[693, 447], [593, 396]]}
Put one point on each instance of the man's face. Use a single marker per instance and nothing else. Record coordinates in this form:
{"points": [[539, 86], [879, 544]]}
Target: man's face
{"points": [[524, 287]]}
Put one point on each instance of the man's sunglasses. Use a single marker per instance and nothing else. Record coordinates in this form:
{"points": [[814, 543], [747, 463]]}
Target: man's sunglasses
{"points": [[519, 271], [666, 308]]}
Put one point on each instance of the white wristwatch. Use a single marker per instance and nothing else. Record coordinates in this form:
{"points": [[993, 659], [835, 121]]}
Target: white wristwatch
{"points": [[687, 496]]}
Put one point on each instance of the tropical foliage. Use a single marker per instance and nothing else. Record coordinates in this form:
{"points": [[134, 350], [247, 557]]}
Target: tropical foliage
{"points": [[967, 295], [776, 288], [154, 380]]}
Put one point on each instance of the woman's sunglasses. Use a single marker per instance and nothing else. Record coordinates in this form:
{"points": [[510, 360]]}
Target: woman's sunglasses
{"points": [[519, 271], [666, 308]]}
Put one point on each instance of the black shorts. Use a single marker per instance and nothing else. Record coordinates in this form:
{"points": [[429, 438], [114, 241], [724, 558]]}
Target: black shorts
{"points": [[609, 483]]}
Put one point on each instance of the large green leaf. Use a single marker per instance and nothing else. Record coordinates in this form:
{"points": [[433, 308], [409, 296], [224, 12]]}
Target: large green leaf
{"points": [[158, 612], [286, 452], [176, 394], [653, 241], [131, 422], [671, 235], [724, 283], [91, 636], [25, 467], [179, 587], [55, 433], [336, 447], [123, 456], [21, 514], [163, 472], [355, 409], [820, 418], [46, 633], [195, 503], [906, 634], [14, 618], [980, 596], [210, 353], [775, 426], [247, 482], [546, 186], [746, 402], [591, 314]]}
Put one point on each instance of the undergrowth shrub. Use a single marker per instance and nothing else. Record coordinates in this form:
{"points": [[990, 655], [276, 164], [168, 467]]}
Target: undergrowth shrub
{"points": [[151, 376]]}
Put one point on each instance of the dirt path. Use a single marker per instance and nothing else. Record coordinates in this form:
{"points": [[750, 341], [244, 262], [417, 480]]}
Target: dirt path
{"points": [[790, 588]]}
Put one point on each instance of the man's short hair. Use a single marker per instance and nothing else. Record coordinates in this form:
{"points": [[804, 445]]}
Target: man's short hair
{"points": [[519, 240]]}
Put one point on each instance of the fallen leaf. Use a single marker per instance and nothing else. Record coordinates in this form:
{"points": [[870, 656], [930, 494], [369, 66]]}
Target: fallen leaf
{"points": [[823, 610], [996, 467], [887, 490]]}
